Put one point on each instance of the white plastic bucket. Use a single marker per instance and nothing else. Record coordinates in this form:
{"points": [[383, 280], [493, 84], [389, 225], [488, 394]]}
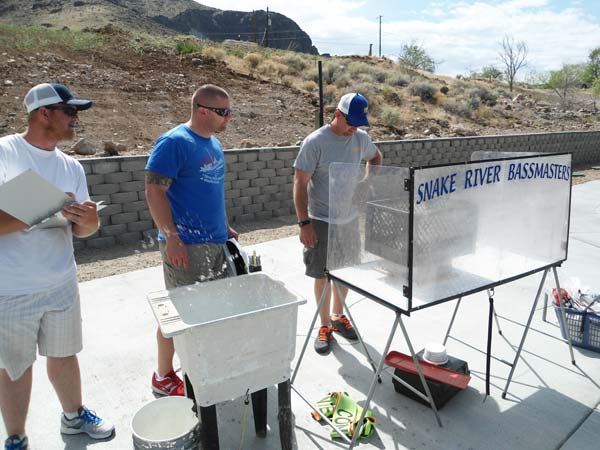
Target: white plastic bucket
{"points": [[166, 423]]}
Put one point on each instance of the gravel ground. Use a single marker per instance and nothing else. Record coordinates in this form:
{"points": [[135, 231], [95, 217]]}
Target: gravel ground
{"points": [[98, 263], [113, 261]]}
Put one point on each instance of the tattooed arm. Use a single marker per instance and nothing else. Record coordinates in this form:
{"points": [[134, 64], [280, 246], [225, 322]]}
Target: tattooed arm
{"points": [[157, 186]]}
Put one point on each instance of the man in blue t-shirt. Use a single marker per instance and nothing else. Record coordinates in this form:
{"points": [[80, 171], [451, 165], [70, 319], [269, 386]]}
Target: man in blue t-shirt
{"points": [[186, 194]]}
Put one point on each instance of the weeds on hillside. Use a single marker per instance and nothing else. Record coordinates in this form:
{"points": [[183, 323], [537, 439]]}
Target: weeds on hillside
{"points": [[19, 37], [188, 46]]}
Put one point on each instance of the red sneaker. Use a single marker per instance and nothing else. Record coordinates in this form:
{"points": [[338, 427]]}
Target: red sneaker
{"points": [[170, 385]]}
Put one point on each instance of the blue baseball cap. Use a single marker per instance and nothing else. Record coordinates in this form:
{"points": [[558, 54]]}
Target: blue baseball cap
{"points": [[354, 106]]}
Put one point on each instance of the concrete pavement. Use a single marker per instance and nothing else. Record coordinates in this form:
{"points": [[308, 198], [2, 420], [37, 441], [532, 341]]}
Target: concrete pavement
{"points": [[551, 403]]}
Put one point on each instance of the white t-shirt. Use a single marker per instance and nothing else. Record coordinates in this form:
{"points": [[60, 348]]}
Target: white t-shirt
{"points": [[40, 259]]}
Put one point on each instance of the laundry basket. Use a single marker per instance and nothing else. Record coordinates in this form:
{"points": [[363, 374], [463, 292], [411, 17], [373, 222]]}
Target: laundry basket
{"points": [[583, 327]]}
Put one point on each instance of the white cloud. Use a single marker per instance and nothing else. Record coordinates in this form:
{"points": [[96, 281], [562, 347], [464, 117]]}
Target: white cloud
{"points": [[465, 35]]}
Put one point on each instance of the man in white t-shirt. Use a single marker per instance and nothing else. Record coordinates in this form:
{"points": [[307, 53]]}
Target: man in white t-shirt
{"points": [[39, 297], [339, 141]]}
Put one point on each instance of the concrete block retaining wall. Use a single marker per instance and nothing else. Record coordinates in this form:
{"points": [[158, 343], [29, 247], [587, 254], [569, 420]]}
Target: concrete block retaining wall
{"points": [[258, 183]]}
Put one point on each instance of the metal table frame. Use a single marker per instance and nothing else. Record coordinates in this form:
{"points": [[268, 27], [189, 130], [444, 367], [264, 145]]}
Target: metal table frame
{"points": [[378, 368]]}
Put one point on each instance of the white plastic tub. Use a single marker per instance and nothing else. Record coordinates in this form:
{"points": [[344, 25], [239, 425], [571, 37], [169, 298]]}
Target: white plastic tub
{"points": [[231, 335], [166, 423]]}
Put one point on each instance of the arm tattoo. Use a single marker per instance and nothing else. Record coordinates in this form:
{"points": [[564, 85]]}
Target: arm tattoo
{"points": [[156, 178]]}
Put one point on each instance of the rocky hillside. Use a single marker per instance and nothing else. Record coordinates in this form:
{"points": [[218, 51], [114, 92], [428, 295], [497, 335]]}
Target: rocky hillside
{"points": [[141, 84], [164, 16]]}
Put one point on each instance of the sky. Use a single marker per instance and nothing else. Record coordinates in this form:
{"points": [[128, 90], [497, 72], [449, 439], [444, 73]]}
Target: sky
{"points": [[462, 36]]}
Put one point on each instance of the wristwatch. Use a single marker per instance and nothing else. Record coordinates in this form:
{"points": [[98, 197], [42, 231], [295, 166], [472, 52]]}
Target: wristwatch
{"points": [[304, 222]]}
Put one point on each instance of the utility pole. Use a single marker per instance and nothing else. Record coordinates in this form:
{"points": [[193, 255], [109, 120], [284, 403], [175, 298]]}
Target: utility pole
{"points": [[267, 30], [380, 36]]}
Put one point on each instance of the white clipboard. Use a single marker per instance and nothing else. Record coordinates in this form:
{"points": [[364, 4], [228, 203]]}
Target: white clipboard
{"points": [[31, 199]]}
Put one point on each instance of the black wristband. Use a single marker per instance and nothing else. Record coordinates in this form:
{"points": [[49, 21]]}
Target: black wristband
{"points": [[303, 222]]}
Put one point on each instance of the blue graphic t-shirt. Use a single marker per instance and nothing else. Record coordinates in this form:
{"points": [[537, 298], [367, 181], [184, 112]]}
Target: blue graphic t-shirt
{"points": [[197, 194]]}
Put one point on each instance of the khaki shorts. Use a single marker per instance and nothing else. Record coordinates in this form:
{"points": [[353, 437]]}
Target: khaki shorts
{"points": [[48, 321], [207, 262], [315, 259]]}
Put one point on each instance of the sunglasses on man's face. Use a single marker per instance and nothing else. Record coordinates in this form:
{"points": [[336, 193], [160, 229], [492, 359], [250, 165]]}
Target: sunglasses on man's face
{"points": [[223, 112], [68, 110], [345, 116]]}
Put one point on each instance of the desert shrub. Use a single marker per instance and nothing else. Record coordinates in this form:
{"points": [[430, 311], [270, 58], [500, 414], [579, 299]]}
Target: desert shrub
{"points": [[311, 75], [287, 81], [503, 93], [252, 60], [215, 53], [355, 68], [375, 105], [390, 117], [380, 76], [365, 78], [329, 94], [474, 103], [457, 107], [236, 51], [426, 91], [343, 80], [330, 71], [309, 85], [484, 95], [187, 46], [272, 69], [295, 63], [399, 80], [366, 89], [391, 96], [485, 113]]}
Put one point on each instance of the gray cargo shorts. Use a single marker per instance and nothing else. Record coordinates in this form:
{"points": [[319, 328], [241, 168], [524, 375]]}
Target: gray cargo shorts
{"points": [[207, 262], [315, 259]]}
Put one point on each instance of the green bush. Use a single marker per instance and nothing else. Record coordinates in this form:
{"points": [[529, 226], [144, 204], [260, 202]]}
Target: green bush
{"points": [[474, 103], [391, 96], [399, 80], [295, 62], [366, 89], [329, 95], [390, 117], [252, 60], [214, 53], [485, 96], [236, 51], [503, 93], [355, 68], [19, 37], [380, 76], [458, 107], [186, 47], [343, 80], [310, 86], [426, 91], [312, 75]]}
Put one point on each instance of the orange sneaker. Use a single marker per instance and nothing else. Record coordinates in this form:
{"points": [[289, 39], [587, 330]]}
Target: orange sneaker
{"points": [[344, 327], [324, 340]]}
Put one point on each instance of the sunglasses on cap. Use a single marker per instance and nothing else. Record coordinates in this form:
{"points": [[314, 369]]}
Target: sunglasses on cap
{"points": [[68, 110], [223, 112]]}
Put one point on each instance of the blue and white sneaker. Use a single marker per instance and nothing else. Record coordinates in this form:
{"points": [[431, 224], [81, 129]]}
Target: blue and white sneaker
{"points": [[16, 443], [87, 422]]}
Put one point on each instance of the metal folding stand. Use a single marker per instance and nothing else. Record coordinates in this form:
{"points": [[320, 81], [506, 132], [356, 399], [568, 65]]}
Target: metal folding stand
{"points": [[492, 313], [377, 369]]}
